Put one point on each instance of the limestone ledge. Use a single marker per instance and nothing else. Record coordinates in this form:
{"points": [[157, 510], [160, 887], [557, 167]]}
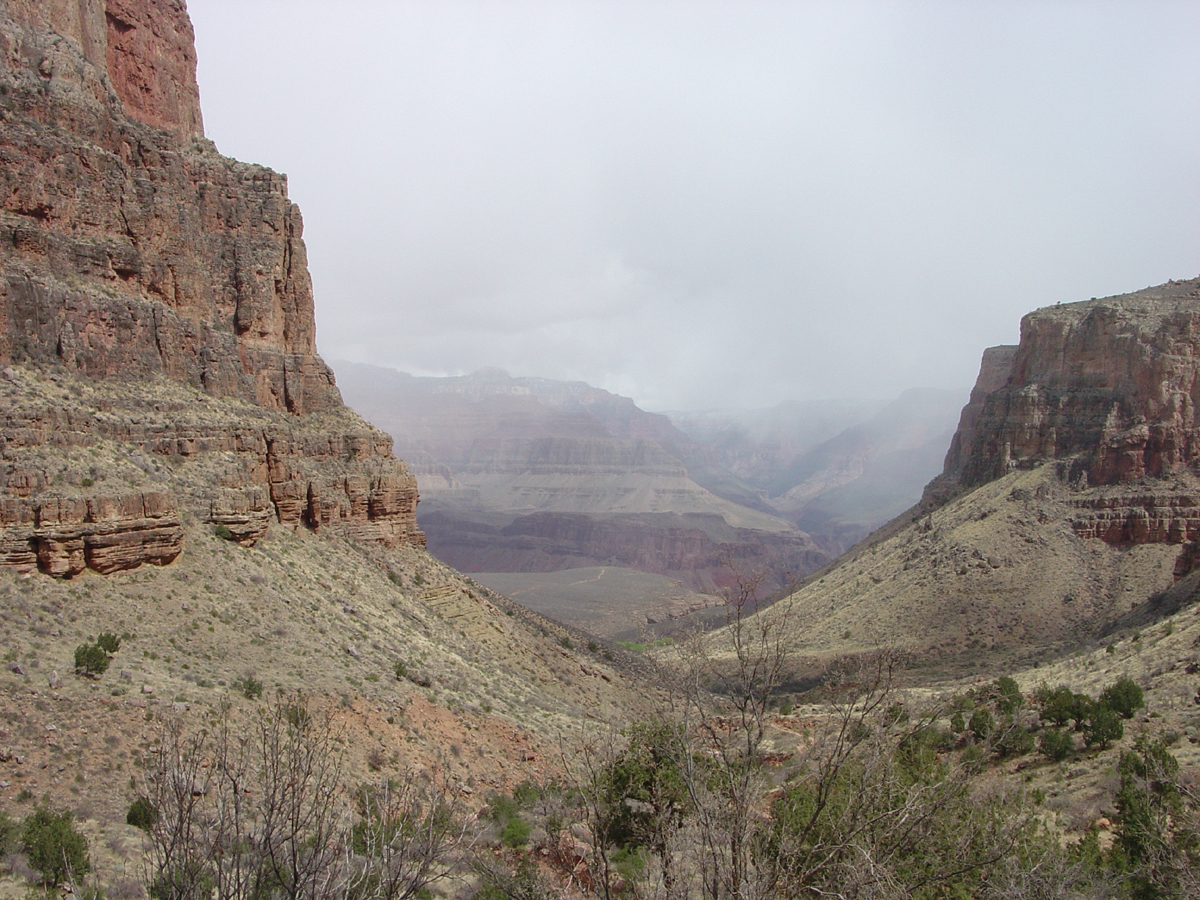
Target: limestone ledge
{"points": [[1143, 517], [62, 536], [308, 474]]}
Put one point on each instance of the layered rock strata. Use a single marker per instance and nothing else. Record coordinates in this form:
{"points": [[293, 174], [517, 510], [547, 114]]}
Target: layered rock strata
{"points": [[130, 246], [136, 263], [233, 464], [1110, 389], [701, 551], [1113, 382], [533, 475]]}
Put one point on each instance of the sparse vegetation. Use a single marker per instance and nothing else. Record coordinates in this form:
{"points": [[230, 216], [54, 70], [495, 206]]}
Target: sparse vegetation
{"points": [[1124, 697], [1056, 743], [1103, 726], [108, 642], [248, 686], [277, 819]]}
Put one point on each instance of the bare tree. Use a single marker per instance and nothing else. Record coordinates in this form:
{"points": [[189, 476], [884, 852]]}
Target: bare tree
{"points": [[873, 805], [725, 687], [407, 837], [265, 811], [303, 810], [181, 852]]}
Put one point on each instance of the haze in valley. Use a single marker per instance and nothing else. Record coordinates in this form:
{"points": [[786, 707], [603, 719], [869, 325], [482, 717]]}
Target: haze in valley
{"points": [[714, 203]]}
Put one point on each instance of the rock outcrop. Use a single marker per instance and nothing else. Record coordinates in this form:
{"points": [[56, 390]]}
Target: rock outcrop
{"points": [[1069, 504], [155, 305], [1113, 382], [130, 246], [1109, 388]]}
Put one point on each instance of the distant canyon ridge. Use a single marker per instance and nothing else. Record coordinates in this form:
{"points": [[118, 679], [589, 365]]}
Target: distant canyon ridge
{"points": [[532, 475]]}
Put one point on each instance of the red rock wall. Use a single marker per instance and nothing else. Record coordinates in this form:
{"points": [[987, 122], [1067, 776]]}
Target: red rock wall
{"points": [[337, 473], [145, 47], [130, 250], [151, 57], [1114, 382], [1111, 388], [137, 250], [994, 373]]}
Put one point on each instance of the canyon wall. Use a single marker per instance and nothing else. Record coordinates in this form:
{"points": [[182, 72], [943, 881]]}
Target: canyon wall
{"points": [[136, 262], [1107, 389]]}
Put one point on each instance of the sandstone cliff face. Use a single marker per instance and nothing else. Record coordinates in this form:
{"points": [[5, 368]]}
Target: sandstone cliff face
{"points": [[1109, 388], [1116, 380], [137, 263], [133, 248]]}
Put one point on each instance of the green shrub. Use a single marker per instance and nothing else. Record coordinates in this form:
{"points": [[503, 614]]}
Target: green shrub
{"points": [[1056, 743], [90, 660], [53, 846], [1124, 697], [524, 883], [248, 686], [1103, 726], [401, 669], [629, 862], [223, 532], [1058, 705], [142, 814], [515, 832], [1009, 694], [10, 834], [982, 724], [1015, 741], [895, 714], [501, 808], [108, 642]]}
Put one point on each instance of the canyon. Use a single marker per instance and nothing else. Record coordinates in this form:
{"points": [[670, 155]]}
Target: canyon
{"points": [[179, 474], [178, 469], [535, 476]]}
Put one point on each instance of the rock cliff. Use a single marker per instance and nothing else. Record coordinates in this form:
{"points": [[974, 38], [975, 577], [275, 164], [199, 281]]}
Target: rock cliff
{"points": [[1069, 501], [1114, 382], [143, 277], [1109, 388]]}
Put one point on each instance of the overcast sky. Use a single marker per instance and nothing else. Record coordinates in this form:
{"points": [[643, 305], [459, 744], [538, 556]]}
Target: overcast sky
{"points": [[703, 204]]}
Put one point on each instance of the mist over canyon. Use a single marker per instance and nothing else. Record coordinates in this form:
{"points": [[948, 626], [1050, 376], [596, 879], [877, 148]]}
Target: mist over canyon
{"points": [[533, 475], [232, 668]]}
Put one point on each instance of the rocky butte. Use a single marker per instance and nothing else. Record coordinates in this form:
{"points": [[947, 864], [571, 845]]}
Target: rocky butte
{"points": [[156, 314], [1110, 387]]}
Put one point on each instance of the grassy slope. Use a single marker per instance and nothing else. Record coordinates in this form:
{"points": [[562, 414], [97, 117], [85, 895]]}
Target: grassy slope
{"points": [[995, 578]]}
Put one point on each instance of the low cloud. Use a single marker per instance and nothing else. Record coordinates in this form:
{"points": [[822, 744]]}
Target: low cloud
{"points": [[705, 204]]}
